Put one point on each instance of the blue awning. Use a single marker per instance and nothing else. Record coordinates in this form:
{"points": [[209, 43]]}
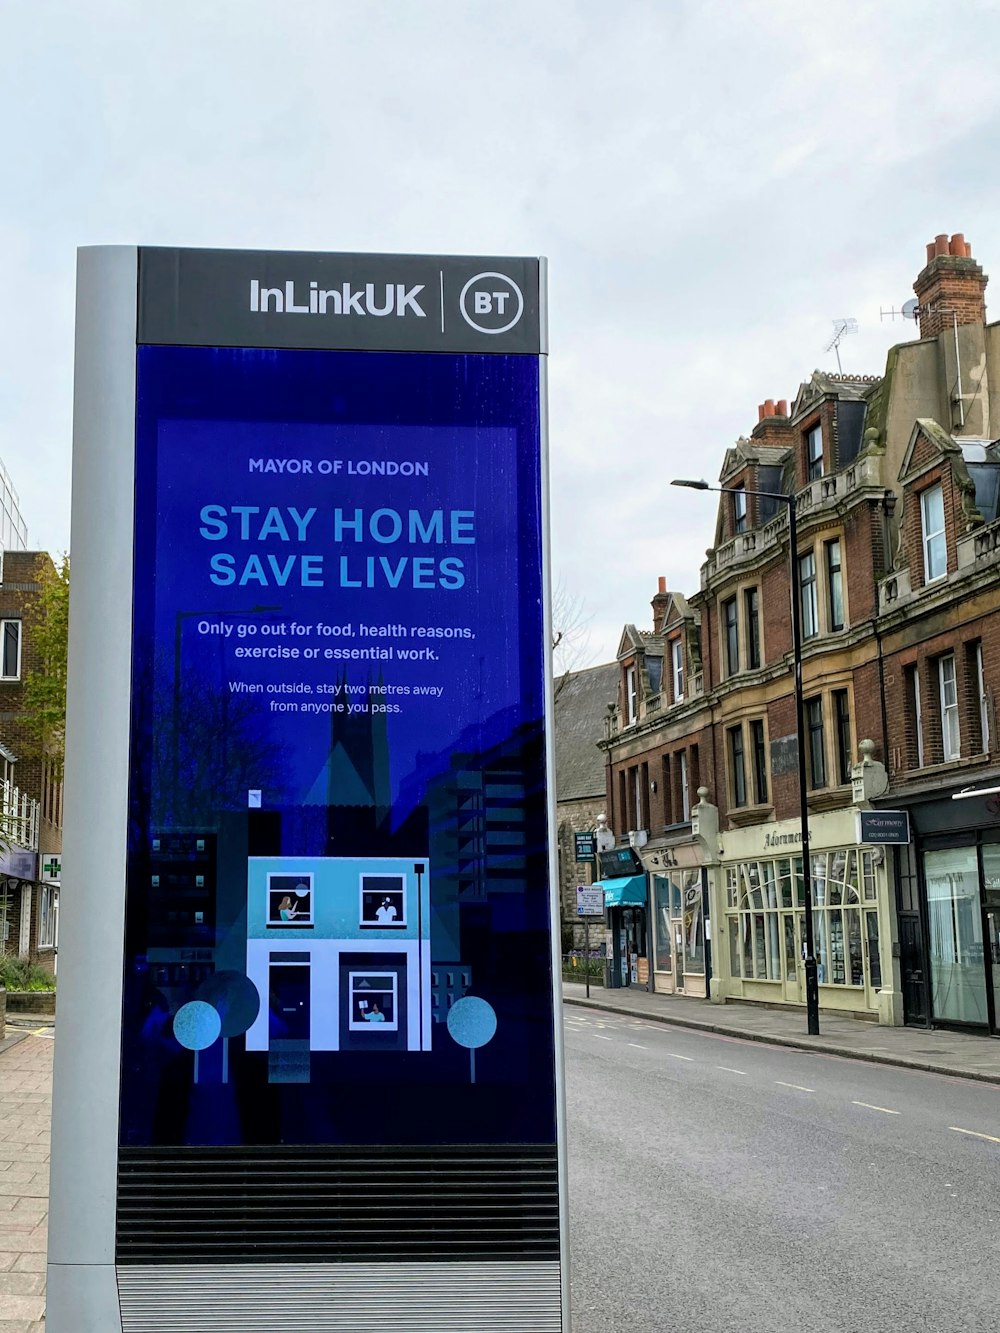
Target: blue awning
{"points": [[629, 891]]}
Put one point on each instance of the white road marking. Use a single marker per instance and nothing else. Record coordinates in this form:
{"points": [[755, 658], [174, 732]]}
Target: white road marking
{"points": [[870, 1107], [992, 1138], [636, 1047], [726, 1070], [797, 1086], [674, 1056], [601, 1037]]}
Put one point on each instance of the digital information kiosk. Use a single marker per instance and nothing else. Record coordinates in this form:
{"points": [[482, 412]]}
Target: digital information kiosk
{"points": [[308, 1062]]}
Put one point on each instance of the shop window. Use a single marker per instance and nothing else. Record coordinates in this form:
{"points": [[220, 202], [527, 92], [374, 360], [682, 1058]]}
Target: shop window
{"points": [[661, 931], [807, 595], [933, 533], [751, 602], [47, 908], [951, 742], [834, 585], [765, 918], [731, 632], [816, 751], [758, 749], [958, 978], [10, 650], [693, 922]]}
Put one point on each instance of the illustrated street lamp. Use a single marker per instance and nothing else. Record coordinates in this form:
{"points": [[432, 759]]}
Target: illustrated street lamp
{"points": [[809, 962]]}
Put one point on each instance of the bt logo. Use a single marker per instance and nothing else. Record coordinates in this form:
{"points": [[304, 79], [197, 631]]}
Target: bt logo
{"points": [[491, 303]]}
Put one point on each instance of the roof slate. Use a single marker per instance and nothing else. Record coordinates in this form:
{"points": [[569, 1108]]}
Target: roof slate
{"points": [[582, 699]]}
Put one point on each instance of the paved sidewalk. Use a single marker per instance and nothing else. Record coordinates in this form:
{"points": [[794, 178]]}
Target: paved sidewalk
{"points": [[955, 1053], [25, 1112], [26, 1105]]}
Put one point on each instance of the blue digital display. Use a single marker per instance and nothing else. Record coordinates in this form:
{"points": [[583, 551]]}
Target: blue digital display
{"points": [[337, 796]]}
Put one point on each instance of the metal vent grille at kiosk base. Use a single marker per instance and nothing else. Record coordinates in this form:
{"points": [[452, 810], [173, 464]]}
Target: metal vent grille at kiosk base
{"points": [[337, 1205], [341, 1298]]}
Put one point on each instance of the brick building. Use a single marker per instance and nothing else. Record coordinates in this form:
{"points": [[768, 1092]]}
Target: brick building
{"points": [[896, 485], [30, 782]]}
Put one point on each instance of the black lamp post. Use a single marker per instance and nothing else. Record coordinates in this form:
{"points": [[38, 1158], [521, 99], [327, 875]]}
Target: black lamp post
{"points": [[809, 962]]}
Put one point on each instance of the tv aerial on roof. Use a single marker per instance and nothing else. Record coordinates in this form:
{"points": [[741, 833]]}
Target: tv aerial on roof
{"points": [[909, 310], [841, 327]]}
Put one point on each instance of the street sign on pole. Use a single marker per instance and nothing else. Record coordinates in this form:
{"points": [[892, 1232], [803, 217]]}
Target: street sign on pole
{"points": [[586, 846], [589, 900]]}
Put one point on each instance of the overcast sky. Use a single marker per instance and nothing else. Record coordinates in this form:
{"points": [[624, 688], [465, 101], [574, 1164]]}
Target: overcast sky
{"points": [[713, 183]]}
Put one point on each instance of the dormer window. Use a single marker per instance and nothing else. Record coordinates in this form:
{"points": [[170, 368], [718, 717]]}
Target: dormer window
{"points": [[739, 510], [631, 693], [814, 452], [677, 668], [932, 525]]}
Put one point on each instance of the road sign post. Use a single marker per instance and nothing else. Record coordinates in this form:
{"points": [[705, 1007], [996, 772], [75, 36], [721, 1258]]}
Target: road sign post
{"points": [[589, 903]]}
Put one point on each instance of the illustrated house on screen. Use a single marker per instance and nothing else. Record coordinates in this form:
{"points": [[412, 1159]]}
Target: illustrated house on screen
{"points": [[341, 948]]}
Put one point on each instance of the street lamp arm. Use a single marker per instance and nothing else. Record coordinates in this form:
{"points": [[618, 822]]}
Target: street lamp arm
{"points": [[735, 490], [809, 961]]}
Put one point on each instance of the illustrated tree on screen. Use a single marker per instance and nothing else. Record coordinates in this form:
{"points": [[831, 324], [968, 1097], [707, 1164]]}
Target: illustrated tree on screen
{"points": [[208, 749]]}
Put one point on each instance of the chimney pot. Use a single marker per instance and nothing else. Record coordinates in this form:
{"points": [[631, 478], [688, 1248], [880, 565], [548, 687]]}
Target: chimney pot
{"points": [[782, 407], [957, 245], [930, 251], [769, 407], [760, 412], [661, 584], [941, 244]]}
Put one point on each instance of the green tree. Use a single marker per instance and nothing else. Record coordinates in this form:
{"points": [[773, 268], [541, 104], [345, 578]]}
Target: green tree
{"points": [[46, 627]]}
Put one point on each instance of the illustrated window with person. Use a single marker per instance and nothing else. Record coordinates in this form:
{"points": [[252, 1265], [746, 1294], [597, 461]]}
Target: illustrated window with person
{"points": [[373, 1001], [289, 901], [383, 901]]}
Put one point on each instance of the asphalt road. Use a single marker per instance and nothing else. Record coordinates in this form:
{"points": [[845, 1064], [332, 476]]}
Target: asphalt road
{"points": [[718, 1185]]}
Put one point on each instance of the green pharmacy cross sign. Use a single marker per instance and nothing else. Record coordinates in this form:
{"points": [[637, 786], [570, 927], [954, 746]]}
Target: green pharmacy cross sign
{"points": [[52, 867]]}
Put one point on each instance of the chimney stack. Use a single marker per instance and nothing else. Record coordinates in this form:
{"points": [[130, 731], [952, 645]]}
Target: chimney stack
{"points": [[659, 604], [950, 286], [772, 423]]}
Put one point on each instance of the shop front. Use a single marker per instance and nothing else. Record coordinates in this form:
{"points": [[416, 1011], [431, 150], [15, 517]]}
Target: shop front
{"points": [[761, 947], [679, 927], [625, 909], [954, 946]]}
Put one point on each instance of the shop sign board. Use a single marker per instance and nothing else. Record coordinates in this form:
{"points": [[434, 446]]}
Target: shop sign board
{"points": [[888, 827], [620, 861]]}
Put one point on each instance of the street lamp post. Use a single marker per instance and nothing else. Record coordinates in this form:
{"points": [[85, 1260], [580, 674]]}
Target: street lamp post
{"points": [[809, 962]]}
